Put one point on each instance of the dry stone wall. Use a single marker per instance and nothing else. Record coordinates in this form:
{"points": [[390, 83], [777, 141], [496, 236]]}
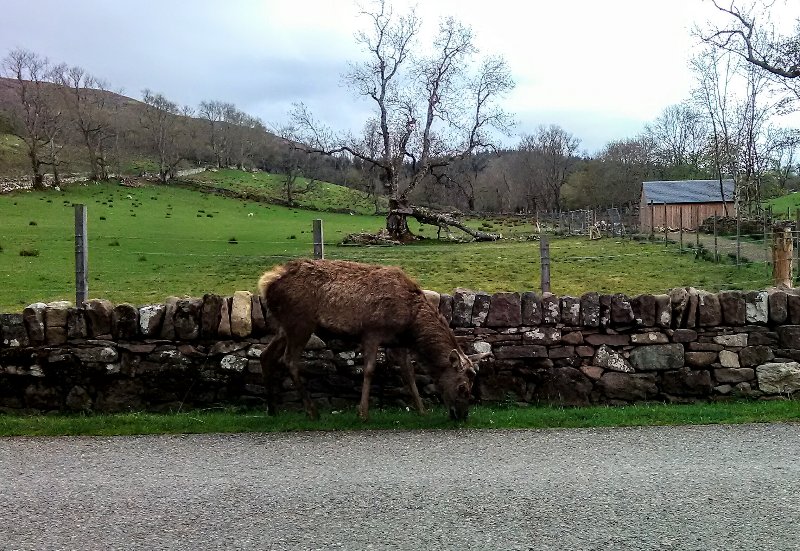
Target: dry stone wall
{"points": [[683, 346]]}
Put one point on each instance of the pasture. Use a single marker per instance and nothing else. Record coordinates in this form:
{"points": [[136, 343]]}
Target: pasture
{"points": [[151, 242]]}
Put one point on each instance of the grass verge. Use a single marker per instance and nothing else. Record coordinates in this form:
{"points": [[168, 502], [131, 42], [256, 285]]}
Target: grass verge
{"points": [[481, 417]]}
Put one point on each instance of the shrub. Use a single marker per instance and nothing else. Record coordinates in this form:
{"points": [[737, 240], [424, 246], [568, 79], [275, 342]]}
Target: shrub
{"points": [[114, 244], [29, 252], [102, 218], [32, 223], [233, 241], [142, 258]]}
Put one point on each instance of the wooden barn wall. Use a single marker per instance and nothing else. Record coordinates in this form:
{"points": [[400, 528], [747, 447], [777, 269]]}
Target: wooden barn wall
{"points": [[686, 213]]}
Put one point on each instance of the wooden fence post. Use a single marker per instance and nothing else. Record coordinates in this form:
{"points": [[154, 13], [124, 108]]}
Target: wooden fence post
{"points": [[782, 253], [544, 253], [319, 246], [652, 222], [738, 238], [716, 249], [81, 256], [666, 226], [680, 229]]}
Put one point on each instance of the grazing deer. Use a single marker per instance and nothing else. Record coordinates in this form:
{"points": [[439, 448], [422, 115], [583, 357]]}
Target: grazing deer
{"points": [[376, 305]]}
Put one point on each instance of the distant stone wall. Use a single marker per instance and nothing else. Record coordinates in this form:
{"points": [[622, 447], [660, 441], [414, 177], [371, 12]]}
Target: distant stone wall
{"points": [[14, 184], [595, 349]]}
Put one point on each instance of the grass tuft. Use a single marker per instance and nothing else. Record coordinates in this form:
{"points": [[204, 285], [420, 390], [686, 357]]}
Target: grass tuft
{"points": [[481, 417]]}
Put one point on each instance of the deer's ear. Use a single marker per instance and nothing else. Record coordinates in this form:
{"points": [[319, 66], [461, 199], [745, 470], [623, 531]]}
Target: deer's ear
{"points": [[455, 360]]}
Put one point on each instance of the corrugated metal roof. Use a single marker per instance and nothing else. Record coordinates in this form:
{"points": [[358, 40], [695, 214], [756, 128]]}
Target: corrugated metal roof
{"points": [[687, 191]]}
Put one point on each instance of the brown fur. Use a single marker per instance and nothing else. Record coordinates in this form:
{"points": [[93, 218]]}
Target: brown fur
{"points": [[376, 305]]}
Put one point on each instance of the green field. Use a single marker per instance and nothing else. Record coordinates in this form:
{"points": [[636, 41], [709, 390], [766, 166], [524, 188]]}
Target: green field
{"points": [[156, 241]]}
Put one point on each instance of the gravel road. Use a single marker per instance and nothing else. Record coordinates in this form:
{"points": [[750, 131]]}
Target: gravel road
{"points": [[703, 488]]}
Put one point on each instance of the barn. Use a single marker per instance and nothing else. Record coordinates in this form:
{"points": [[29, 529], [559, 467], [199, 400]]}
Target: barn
{"points": [[683, 202]]}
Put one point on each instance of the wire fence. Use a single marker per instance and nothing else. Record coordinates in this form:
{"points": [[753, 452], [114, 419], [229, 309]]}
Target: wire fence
{"points": [[117, 261]]}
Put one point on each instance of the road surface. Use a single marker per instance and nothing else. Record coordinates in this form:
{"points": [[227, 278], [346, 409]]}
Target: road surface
{"points": [[699, 488]]}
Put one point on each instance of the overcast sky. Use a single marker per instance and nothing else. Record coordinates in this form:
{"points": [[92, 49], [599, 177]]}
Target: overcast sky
{"points": [[599, 68]]}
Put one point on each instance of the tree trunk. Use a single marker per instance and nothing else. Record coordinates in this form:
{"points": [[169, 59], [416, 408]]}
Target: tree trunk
{"points": [[37, 178], [396, 221]]}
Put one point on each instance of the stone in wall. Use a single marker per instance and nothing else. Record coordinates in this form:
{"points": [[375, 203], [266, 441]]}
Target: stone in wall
{"points": [[679, 297], [224, 328], [621, 311], [124, 322], [210, 315], [777, 303], [463, 302], [709, 310], [631, 387], [241, 314], [520, 351], [77, 326], [505, 310], [446, 307], [700, 359], [779, 378], [562, 385], [686, 382], [571, 311], [12, 331], [734, 375], [551, 309], [651, 337], [644, 309], [542, 335], [757, 307], [789, 336], [168, 325], [187, 318], [793, 307], [657, 357], [98, 313], [150, 319], [734, 310], [607, 358], [480, 309], [590, 310], [33, 318], [752, 356], [259, 321], [55, 321], [734, 340], [729, 358], [663, 311], [605, 310]]}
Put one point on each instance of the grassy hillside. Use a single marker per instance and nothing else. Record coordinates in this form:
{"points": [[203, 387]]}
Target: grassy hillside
{"points": [[271, 187], [790, 203], [152, 242], [13, 159]]}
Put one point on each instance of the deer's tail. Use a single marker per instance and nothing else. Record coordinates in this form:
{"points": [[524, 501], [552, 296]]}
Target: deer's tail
{"points": [[268, 278]]}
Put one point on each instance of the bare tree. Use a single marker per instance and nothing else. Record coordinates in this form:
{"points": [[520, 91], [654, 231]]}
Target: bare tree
{"points": [[85, 98], [680, 136], [161, 120], [37, 120], [751, 35], [214, 112], [549, 154], [430, 110]]}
